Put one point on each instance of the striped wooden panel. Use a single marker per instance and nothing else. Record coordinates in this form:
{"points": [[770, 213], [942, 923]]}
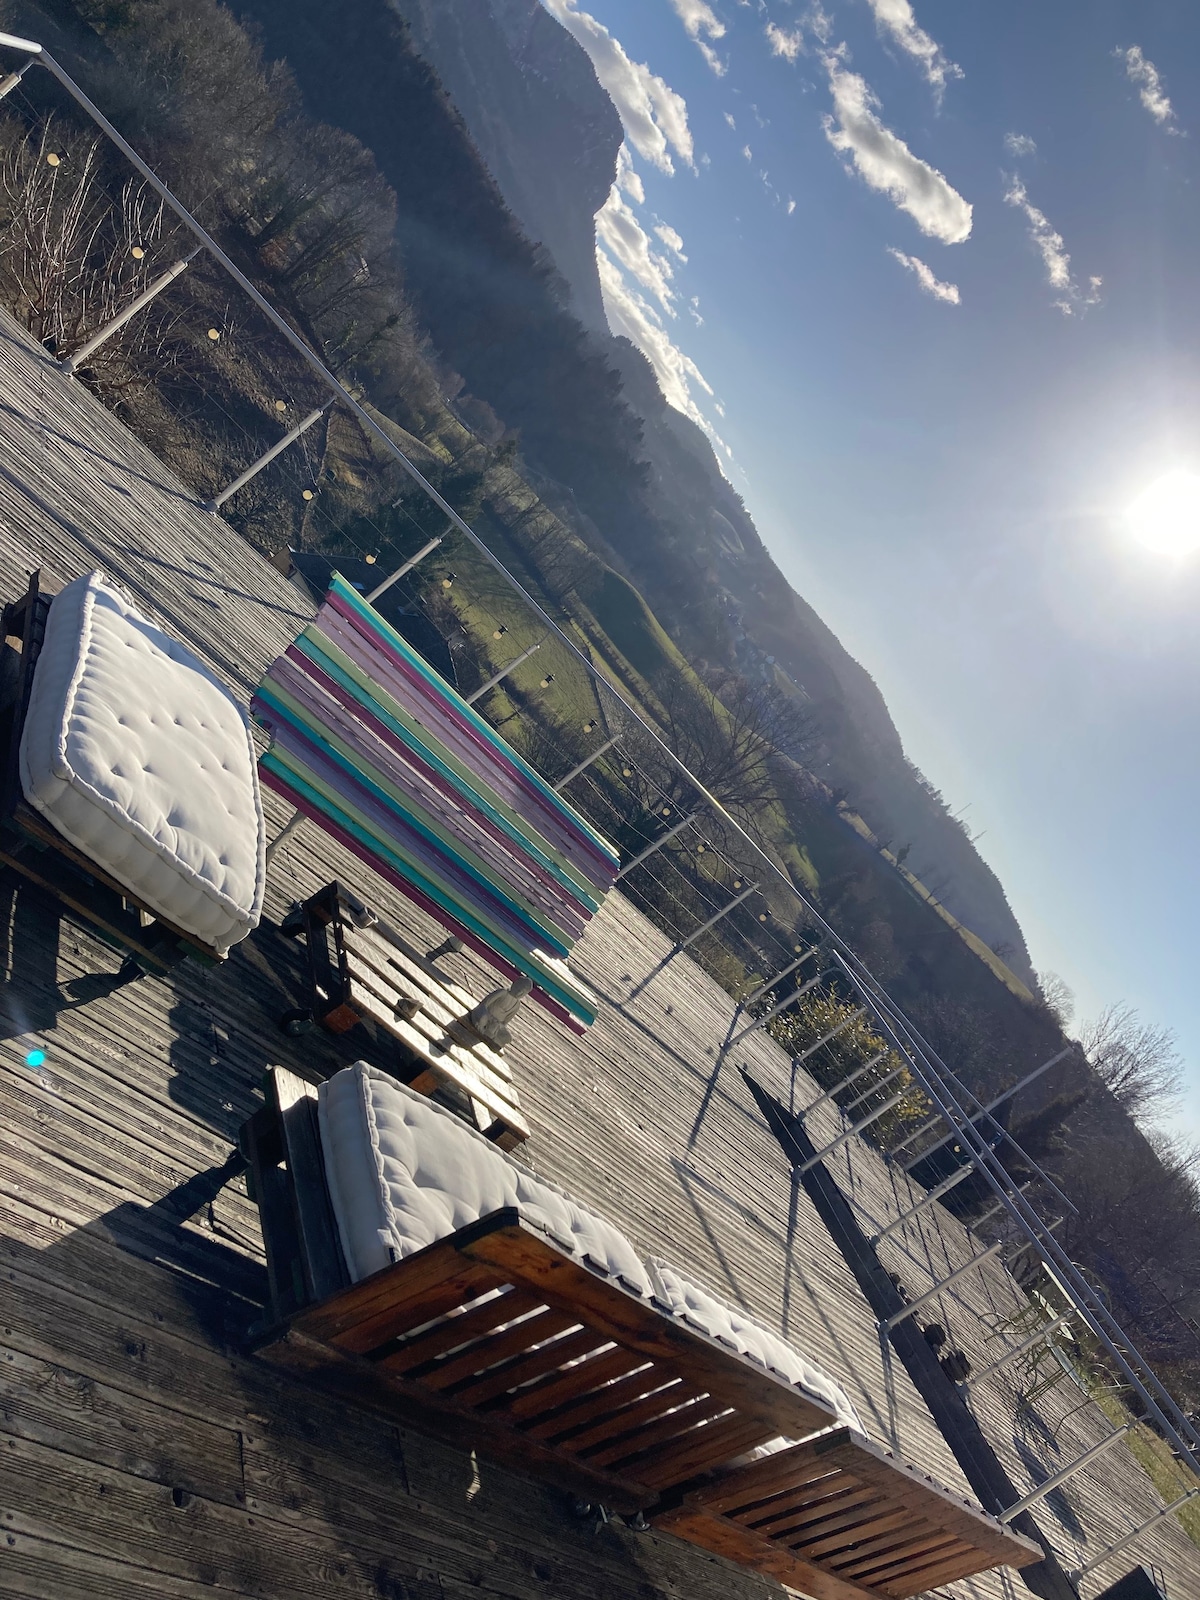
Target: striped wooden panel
{"points": [[369, 741]]}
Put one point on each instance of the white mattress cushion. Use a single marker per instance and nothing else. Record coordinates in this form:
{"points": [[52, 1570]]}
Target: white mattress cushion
{"points": [[138, 756], [694, 1305], [403, 1172]]}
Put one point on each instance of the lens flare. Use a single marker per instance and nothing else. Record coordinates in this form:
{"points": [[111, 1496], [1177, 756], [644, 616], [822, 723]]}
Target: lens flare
{"points": [[1166, 516]]}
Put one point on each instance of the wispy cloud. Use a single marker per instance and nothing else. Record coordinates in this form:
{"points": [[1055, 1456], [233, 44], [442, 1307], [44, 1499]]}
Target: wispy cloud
{"points": [[896, 18], [785, 42], [884, 161], [671, 239], [1149, 83], [620, 233], [924, 276], [702, 25], [1048, 242], [653, 115], [632, 316], [1019, 144]]}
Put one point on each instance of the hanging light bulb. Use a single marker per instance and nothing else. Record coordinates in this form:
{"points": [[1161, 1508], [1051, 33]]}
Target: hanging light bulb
{"points": [[498, 633], [370, 561], [281, 405], [448, 580], [214, 334], [547, 680], [589, 727], [308, 494], [136, 252]]}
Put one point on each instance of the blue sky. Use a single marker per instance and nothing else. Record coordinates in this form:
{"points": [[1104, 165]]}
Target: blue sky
{"points": [[928, 272]]}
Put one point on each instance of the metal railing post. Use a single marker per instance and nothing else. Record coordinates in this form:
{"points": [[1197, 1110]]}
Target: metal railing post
{"points": [[786, 972], [1134, 1533], [811, 1050], [75, 360], [382, 588], [583, 765], [844, 1083], [499, 677], [712, 921], [255, 467], [9, 83], [644, 855], [1042, 1336], [934, 1194], [931, 1294], [986, 1111], [767, 1016], [1061, 1476], [847, 1134]]}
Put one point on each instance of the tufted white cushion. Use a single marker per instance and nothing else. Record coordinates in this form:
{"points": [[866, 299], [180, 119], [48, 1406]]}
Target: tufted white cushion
{"points": [[139, 757], [694, 1305], [403, 1172]]}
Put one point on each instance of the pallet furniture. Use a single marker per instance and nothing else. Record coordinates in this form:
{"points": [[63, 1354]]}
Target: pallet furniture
{"points": [[34, 848], [837, 1516], [498, 1339], [360, 969], [374, 746]]}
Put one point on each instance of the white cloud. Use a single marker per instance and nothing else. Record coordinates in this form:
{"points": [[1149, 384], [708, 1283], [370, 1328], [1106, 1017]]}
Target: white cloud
{"points": [[630, 315], [699, 18], [628, 178], [620, 233], [885, 162], [791, 206], [747, 152], [694, 310], [1019, 144], [653, 115], [896, 18], [729, 119], [924, 276], [1049, 245], [671, 239], [785, 42], [1150, 89]]}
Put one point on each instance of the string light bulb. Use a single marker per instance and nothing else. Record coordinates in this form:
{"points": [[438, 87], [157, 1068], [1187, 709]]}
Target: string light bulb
{"points": [[214, 334], [308, 494], [498, 633], [53, 159], [547, 680], [448, 581], [136, 252], [281, 405]]}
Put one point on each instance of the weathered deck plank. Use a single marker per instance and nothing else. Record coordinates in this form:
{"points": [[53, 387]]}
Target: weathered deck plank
{"points": [[127, 1275]]}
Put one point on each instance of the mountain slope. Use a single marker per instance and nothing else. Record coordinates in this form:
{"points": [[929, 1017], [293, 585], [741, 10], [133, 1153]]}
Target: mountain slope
{"points": [[547, 131]]}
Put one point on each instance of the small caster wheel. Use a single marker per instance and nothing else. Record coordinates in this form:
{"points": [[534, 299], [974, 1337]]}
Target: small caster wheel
{"points": [[638, 1522], [130, 971], [581, 1508], [294, 1023], [292, 925]]}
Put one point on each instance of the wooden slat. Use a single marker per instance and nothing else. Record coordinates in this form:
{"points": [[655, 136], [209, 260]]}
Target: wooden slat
{"points": [[774, 1522], [561, 1403], [725, 1538], [500, 1347], [642, 1408], [457, 1330], [537, 1362], [649, 1425], [525, 1257], [296, 1107], [701, 1450]]}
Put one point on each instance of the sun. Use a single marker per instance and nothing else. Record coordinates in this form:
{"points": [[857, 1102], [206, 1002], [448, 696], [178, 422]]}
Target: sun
{"points": [[1166, 516]]}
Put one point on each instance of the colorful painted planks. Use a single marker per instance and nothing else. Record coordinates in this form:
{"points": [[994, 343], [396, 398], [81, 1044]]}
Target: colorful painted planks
{"points": [[375, 746]]}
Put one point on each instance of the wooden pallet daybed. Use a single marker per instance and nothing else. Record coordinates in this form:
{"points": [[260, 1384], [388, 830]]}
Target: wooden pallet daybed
{"points": [[498, 1339], [39, 851]]}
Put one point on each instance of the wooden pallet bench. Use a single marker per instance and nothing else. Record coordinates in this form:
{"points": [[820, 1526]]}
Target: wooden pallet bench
{"points": [[360, 969], [500, 1341], [838, 1517]]}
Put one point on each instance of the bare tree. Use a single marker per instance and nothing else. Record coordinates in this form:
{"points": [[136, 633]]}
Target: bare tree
{"points": [[1138, 1062], [1058, 996], [729, 735]]}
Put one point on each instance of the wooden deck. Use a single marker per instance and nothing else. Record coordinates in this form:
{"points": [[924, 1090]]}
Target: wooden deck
{"points": [[144, 1454]]}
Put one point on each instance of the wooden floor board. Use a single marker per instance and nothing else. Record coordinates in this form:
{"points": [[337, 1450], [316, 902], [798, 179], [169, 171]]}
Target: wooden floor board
{"points": [[120, 1323]]}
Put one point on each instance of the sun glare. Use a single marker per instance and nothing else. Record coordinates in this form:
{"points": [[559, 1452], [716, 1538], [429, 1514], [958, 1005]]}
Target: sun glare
{"points": [[1166, 516]]}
